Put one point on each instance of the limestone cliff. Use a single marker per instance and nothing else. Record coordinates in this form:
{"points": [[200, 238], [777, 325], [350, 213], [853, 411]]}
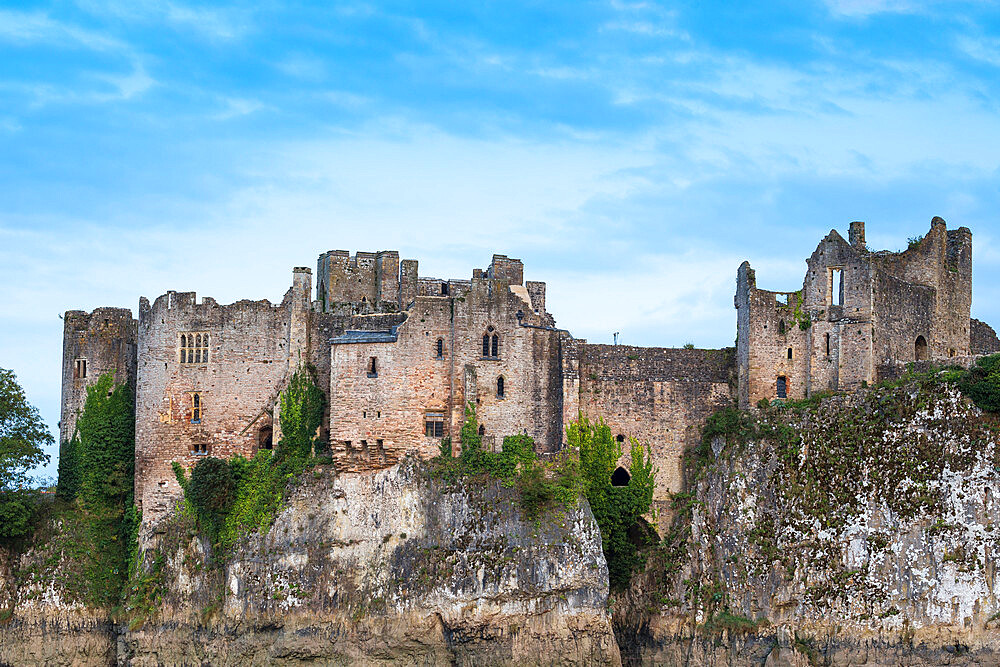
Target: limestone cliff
{"points": [[853, 530], [371, 568]]}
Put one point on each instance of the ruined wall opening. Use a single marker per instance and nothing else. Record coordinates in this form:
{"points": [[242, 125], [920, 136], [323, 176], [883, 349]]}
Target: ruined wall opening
{"points": [[439, 348], [372, 367], [828, 345], [500, 387], [79, 369], [836, 287], [620, 477], [782, 386], [491, 344], [920, 349], [482, 430], [444, 289], [789, 353], [620, 438], [196, 408], [265, 438]]}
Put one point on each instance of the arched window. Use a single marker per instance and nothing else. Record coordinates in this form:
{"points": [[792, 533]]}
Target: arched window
{"points": [[491, 344], [500, 387], [183, 349], [920, 349], [196, 408], [620, 477], [439, 348], [482, 429]]}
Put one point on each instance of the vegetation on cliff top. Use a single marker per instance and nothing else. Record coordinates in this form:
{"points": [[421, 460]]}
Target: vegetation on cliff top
{"points": [[584, 468]]}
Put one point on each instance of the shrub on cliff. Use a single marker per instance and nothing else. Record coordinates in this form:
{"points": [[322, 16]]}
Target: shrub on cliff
{"points": [[22, 436], [982, 383], [619, 510]]}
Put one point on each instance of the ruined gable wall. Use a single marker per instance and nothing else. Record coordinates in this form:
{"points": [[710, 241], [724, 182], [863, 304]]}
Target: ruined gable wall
{"points": [[248, 362], [106, 338], [660, 396], [905, 311]]}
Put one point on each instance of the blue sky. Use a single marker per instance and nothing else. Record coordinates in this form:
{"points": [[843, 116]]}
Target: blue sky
{"points": [[632, 153]]}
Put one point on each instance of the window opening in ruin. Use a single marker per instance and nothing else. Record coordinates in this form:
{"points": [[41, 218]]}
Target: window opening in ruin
{"points": [[951, 352], [500, 387], [782, 386], [789, 353], [264, 436], [828, 345], [194, 348], [444, 289], [782, 299], [434, 424], [486, 345], [920, 349], [199, 448], [372, 368], [80, 369], [781, 327], [491, 344], [364, 446], [482, 429], [440, 348], [495, 346], [620, 438], [195, 408], [837, 287], [364, 414], [620, 477]]}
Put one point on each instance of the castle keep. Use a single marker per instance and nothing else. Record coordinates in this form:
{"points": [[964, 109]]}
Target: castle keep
{"points": [[400, 356]]}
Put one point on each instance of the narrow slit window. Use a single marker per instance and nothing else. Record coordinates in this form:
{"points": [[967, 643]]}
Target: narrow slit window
{"points": [[486, 345], [495, 346], [372, 367], [500, 387], [439, 348], [828, 345], [184, 349], [789, 353], [196, 408]]}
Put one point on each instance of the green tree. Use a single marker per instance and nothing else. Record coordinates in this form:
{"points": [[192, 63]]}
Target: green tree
{"points": [[619, 510], [68, 484], [23, 434]]}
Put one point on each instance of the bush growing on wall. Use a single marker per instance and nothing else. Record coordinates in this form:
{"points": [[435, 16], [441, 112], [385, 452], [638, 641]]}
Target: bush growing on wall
{"points": [[982, 383]]}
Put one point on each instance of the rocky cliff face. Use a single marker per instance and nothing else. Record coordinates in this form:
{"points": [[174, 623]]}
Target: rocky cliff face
{"points": [[384, 567], [856, 530]]}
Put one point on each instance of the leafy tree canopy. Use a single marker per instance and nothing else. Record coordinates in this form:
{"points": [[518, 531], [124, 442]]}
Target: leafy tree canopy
{"points": [[23, 434]]}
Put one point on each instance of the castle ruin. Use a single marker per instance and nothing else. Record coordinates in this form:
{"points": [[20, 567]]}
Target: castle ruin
{"points": [[400, 356]]}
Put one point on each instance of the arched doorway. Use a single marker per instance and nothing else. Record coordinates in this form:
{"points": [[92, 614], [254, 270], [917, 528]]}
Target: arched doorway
{"points": [[620, 477], [264, 436], [920, 349]]}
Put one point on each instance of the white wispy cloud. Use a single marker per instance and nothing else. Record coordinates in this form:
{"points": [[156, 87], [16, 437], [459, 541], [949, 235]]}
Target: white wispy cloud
{"points": [[863, 8], [19, 27], [986, 49], [215, 23]]}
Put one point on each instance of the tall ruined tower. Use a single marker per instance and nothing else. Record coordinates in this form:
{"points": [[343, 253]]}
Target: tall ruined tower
{"points": [[103, 341]]}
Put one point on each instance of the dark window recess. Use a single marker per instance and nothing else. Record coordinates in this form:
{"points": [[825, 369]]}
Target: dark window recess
{"points": [[199, 448], [500, 387], [372, 368], [828, 345], [920, 349], [620, 438], [364, 445], [444, 289], [434, 424], [482, 430], [196, 408], [491, 344], [439, 348], [782, 387], [789, 353], [80, 369], [264, 436], [495, 346], [620, 477], [486, 345]]}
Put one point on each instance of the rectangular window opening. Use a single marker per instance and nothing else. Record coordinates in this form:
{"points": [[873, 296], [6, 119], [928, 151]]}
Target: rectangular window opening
{"points": [[837, 287], [434, 424], [372, 367], [80, 369], [782, 387]]}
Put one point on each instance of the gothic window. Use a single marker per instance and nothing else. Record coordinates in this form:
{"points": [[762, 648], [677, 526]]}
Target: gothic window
{"points": [[434, 424], [194, 348], [372, 367], [79, 369], [439, 348], [196, 407], [782, 386], [491, 344], [500, 387]]}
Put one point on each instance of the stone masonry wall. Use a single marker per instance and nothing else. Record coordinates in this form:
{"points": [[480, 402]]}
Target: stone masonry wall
{"points": [[249, 361], [106, 340], [660, 397]]}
